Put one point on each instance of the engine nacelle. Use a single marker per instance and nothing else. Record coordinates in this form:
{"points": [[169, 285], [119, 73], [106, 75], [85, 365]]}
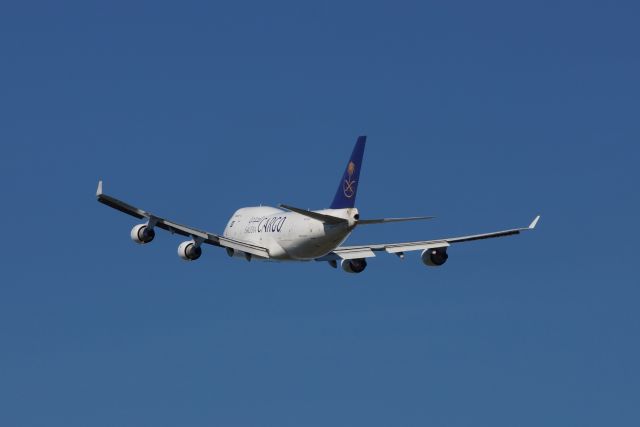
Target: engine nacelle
{"points": [[142, 234], [434, 257], [356, 265], [189, 251]]}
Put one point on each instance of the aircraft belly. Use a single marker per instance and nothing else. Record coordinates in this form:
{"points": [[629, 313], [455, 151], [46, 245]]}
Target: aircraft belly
{"points": [[314, 246]]}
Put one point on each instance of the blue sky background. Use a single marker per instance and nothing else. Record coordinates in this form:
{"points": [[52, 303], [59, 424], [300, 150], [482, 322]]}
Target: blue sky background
{"points": [[482, 113]]}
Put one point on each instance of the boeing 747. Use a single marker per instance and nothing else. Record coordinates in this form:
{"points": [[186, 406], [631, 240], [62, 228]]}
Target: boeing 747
{"points": [[289, 233]]}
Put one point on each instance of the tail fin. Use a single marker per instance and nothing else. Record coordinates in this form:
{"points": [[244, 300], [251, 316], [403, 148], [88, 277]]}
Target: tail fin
{"points": [[346, 194]]}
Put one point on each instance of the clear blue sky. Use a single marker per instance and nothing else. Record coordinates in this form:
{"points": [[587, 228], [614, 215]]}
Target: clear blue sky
{"points": [[481, 113]]}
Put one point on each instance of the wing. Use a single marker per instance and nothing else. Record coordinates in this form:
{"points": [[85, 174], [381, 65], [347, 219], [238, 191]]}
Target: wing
{"points": [[367, 251], [175, 228]]}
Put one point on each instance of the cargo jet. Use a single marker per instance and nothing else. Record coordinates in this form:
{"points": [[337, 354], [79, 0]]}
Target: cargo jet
{"points": [[289, 233]]}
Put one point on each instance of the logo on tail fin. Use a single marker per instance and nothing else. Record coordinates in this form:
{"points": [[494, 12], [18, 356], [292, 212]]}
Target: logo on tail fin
{"points": [[348, 188]]}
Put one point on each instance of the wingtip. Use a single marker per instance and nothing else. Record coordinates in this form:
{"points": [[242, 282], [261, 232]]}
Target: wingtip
{"points": [[99, 190], [534, 222]]}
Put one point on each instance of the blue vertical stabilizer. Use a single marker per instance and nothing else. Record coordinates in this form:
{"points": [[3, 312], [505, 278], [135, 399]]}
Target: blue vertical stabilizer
{"points": [[346, 194]]}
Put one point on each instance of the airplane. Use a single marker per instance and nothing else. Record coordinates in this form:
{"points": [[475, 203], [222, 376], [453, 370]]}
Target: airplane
{"points": [[289, 233]]}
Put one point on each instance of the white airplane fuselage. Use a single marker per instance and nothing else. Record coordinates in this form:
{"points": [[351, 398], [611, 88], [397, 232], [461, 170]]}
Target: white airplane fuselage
{"points": [[289, 235]]}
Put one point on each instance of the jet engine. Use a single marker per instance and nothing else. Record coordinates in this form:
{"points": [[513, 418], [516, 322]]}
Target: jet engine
{"points": [[142, 234], [434, 257], [356, 265], [189, 251]]}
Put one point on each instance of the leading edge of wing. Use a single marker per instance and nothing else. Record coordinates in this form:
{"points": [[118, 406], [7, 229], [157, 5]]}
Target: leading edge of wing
{"points": [[175, 228], [157, 221], [503, 233]]}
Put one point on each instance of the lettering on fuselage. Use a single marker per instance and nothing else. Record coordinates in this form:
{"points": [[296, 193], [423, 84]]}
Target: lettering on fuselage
{"points": [[264, 224]]}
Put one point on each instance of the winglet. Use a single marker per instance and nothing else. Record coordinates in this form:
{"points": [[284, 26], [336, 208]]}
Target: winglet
{"points": [[99, 190], [534, 222]]}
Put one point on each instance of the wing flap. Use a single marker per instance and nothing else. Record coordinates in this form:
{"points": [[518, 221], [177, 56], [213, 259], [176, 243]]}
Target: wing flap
{"points": [[348, 253], [407, 247], [355, 253], [244, 247]]}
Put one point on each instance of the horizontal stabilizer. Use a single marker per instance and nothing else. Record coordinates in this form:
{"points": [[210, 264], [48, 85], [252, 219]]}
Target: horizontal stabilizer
{"points": [[328, 219], [385, 220]]}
